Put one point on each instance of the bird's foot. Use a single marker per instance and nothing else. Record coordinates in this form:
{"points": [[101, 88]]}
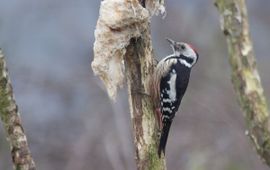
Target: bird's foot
{"points": [[140, 92]]}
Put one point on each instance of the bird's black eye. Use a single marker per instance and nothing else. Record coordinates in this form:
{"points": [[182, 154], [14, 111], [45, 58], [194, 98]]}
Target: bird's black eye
{"points": [[183, 47]]}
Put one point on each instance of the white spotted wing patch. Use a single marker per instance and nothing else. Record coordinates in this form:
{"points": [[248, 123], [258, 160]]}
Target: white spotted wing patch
{"points": [[168, 96]]}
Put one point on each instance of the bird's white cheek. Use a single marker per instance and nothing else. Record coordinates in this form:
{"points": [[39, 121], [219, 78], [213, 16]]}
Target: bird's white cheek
{"points": [[189, 53]]}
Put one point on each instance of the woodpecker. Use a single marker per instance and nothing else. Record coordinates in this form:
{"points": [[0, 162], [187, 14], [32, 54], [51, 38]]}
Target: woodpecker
{"points": [[171, 77]]}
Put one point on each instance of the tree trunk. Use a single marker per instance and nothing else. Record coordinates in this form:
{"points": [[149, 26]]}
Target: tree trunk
{"points": [[245, 77], [139, 65], [20, 153], [123, 36]]}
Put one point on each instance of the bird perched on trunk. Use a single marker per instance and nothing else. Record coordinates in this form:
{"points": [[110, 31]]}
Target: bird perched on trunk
{"points": [[169, 84]]}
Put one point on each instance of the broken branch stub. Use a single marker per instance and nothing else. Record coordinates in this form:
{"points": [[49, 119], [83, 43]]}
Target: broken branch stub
{"points": [[119, 21]]}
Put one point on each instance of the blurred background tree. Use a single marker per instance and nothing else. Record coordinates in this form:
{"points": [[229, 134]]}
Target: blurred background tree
{"points": [[71, 123], [10, 118], [245, 76]]}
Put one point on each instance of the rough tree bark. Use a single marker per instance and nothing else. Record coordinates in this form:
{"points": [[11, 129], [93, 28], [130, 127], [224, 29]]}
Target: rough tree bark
{"points": [[139, 64], [123, 49], [245, 77], [21, 156]]}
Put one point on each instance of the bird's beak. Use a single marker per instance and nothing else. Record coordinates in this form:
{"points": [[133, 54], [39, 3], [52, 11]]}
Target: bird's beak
{"points": [[172, 43]]}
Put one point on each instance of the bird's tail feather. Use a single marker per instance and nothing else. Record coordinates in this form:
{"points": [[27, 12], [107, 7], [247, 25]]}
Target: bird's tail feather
{"points": [[164, 137]]}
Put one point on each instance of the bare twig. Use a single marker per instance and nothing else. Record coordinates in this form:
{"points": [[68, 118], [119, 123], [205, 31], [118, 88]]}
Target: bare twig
{"points": [[21, 156], [245, 77]]}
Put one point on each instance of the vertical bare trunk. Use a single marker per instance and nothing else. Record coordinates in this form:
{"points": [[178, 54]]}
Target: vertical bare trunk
{"points": [[245, 77], [21, 156], [123, 36], [139, 64]]}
